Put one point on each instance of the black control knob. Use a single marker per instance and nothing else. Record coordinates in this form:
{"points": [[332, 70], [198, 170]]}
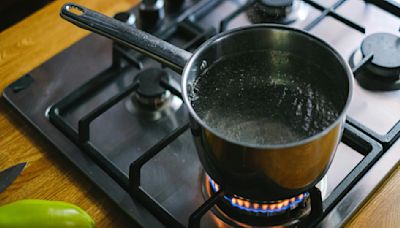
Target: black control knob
{"points": [[151, 12], [126, 17]]}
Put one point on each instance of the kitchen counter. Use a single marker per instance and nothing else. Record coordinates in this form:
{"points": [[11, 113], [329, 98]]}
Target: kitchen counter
{"points": [[49, 176]]}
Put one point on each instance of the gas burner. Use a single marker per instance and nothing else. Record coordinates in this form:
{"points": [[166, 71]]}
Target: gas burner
{"points": [[383, 71], [277, 11], [151, 98], [386, 50], [238, 211], [151, 13], [150, 93]]}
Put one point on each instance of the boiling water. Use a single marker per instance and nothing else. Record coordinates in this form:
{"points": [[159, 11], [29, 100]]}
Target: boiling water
{"points": [[265, 97]]}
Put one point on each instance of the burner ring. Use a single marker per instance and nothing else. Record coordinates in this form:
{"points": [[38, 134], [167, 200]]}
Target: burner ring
{"points": [[152, 100], [276, 8], [372, 80], [385, 48], [150, 92], [275, 213], [276, 11], [266, 208]]}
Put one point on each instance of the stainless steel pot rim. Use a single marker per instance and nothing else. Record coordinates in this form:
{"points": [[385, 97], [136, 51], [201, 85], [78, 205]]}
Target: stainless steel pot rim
{"points": [[204, 46]]}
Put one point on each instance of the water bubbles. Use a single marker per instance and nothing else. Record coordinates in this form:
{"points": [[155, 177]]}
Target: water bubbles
{"points": [[264, 97], [298, 110]]}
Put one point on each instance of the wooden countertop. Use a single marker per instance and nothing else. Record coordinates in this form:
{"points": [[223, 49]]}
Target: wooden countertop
{"points": [[47, 176]]}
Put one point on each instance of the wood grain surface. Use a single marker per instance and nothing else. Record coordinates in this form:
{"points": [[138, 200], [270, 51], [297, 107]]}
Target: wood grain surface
{"points": [[47, 176]]}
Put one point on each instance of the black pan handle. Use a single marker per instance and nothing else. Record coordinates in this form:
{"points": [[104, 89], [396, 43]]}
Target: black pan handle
{"points": [[162, 51]]}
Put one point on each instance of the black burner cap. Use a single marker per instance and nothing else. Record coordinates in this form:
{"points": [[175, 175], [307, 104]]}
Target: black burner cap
{"points": [[274, 11], [277, 3], [385, 48], [151, 13], [150, 82]]}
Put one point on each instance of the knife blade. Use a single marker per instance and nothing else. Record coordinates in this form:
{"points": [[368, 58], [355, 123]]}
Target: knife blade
{"points": [[8, 175]]}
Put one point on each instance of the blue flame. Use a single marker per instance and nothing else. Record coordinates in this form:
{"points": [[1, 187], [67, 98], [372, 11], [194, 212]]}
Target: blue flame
{"points": [[291, 205]]}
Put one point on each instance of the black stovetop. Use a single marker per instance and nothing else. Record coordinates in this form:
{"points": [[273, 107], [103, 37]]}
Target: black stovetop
{"points": [[81, 101]]}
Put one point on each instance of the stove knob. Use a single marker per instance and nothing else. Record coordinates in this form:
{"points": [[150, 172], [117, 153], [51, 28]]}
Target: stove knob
{"points": [[126, 17], [151, 12], [175, 4]]}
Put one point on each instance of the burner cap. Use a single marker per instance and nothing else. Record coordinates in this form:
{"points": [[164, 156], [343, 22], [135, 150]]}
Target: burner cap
{"points": [[150, 82], [385, 48], [153, 100], [276, 11], [151, 13], [150, 92], [277, 3]]}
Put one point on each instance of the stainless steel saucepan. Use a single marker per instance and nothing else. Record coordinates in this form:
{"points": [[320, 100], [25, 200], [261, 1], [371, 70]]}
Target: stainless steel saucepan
{"points": [[267, 102]]}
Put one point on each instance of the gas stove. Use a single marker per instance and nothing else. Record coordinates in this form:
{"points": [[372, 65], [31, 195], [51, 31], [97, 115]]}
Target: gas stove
{"points": [[133, 140]]}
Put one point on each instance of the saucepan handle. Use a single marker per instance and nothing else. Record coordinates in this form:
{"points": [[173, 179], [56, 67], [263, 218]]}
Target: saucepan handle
{"points": [[162, 51]]}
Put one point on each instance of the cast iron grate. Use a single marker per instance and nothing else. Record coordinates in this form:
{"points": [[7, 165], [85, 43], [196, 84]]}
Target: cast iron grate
{"points": [[184, 25], [391, 6], [122, 58], [355, 139]]}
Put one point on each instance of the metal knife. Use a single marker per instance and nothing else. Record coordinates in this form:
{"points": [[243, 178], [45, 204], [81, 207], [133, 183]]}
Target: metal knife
{"points": [[8, 175]]}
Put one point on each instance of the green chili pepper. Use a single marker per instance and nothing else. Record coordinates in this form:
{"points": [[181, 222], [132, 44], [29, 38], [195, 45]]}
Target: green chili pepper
{"points": [[43, 214]]}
